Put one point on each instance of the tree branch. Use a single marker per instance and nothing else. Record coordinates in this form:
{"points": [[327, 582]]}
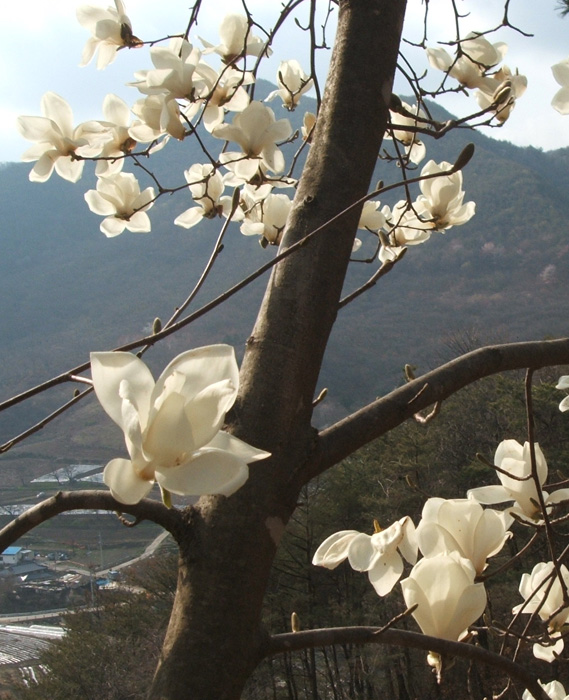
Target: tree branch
{"points": [[384, 414], [147, 509], [294, 641]]}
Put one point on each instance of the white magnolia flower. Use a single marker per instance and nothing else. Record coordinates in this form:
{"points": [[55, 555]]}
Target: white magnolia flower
{"points": [[500, 92], [371, 218], [554, 690], [220, 93], [463, 526], [403, 132], [173, 427], [157, 116], [237, 40], [405, 227], [57, 141], [441, 201], [560, 100], [111, 30], [448, 601], [475, 57], [119, 199], [293, 84], [308, 124], [514, 459], [206, 186], [380, 554], [173, 73], [543, 595], [563, 384], [117, 123], [265, 217], [257, 132]]}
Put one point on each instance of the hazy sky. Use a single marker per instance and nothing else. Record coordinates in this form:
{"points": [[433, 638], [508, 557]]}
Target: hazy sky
{"points": [[41, 43]]}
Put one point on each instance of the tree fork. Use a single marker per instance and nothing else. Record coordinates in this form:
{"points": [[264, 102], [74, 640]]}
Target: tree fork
{"points": [[215, 639]]}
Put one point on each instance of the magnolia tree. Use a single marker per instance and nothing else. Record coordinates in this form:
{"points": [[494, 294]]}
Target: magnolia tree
{"points": [[242, 439]]}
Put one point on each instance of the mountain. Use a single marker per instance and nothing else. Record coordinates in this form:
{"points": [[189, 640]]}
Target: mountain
{"points": [[65, 289]]}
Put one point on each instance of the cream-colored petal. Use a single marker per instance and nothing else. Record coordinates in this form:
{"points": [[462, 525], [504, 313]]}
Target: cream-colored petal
{"points": [[334, 549], [125, 484], [210, 472], [109, 370]]}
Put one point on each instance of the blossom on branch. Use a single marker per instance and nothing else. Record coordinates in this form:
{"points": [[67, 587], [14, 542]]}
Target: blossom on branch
{"points": [[157, 116], [220, 93], [293, 84], [237, 40], [463, 526], [380, 554], [543, 595], [514, 462], [58, 142], [111, 30], [119, 199], [500, 92], [257, 131], [173, 73], [563, 384], [120, 142], [560, 100], [474, 57], [440, 204], [206, 186], [554, 690], [265, 216], [404, 126], [448, 601], [172, 427]]}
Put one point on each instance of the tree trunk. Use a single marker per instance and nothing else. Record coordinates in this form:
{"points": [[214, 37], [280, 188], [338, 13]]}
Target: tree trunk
{"points": [[215, 639]]}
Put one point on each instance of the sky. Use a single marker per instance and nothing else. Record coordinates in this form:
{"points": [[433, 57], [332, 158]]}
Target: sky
{"points": [[41, 44]]}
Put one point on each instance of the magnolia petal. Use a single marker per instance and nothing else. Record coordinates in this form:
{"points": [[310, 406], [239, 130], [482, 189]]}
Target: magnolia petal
{"points": [[564, 405], [334, 549], [489, 495], [125, 484], [35, 128], [69, 169], [385, 573], [58, 110], [558, 496], [563, 382], [116, 110], [43, 169], [210, 472], [108, 370], [206, 411], [229, 443], [98, 204], [548, 653], [200, 368], [190, 217], [362, 554], [138, 222], [112, 226], [170, 435]]}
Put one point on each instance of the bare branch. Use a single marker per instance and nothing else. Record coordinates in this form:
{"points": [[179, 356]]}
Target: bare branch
{"points": [[146, 509], [384, 414], [294, 641]]}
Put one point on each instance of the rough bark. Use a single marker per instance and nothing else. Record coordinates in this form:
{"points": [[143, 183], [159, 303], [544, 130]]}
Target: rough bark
{"points": [[215, 639]]}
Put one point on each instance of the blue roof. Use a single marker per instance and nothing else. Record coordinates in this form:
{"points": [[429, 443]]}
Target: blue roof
{"points": [[12, 550]]}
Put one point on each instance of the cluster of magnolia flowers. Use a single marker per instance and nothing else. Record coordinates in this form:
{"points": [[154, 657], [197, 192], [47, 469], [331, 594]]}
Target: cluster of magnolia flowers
{"points": [[179, 92], [475, 67], [456, 537], [182, 91]]}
